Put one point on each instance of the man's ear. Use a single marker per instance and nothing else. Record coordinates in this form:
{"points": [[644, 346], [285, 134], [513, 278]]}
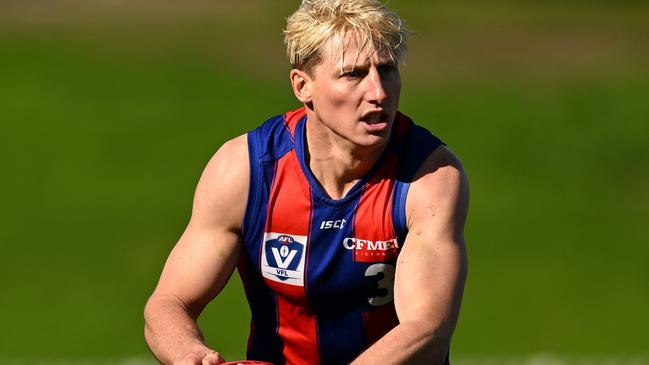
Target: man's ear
{"points": [[302, 84]]}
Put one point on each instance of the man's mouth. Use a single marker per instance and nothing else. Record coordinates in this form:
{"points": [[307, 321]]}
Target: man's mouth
{"points": [[376, 122], [373, 119]]}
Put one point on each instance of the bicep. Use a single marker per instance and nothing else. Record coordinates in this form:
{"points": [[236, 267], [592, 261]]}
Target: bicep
{"points": [[429, 282], [432, 265], [199, 266], [206, 254]]}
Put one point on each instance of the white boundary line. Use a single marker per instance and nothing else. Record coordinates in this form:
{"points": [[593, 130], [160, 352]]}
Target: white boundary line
{"points": [[549, 359]]}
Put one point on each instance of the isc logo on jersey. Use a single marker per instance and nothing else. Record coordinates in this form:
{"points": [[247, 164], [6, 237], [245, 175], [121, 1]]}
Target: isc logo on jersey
{"points": [[282, 258]]}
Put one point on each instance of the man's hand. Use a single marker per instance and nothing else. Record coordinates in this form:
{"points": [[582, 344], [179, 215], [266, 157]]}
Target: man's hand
{"points": [[203, 357]]}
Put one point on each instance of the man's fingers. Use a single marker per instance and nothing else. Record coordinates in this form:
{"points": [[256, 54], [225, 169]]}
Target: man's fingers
{"points": [[201, 358], [212, 359]]}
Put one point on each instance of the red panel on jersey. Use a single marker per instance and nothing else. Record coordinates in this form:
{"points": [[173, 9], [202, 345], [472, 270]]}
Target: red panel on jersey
{"points": [[292, 118], [374, 238], [285, 258], [297, 328]]}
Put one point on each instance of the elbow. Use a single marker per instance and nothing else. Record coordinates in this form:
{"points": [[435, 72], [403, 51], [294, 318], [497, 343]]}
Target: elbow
{"points": [[149, 316], [429, 343], [435, 338], [156, 309], [435, 346], [150, 310]]}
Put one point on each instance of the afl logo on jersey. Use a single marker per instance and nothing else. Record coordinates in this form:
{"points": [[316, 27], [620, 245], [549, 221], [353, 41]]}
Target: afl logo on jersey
{"points": [[282, 258]]}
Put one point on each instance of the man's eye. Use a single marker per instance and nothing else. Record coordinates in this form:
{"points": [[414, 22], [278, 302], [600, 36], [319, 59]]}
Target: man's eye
{"points": [[354, 74]]}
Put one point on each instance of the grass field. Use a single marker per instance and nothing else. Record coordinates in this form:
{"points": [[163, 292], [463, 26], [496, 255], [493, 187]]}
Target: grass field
{"points": [[110, 110]]}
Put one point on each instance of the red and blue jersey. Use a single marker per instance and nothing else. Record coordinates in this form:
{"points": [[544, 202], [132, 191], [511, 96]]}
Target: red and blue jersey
{"points": [[318, 272]]}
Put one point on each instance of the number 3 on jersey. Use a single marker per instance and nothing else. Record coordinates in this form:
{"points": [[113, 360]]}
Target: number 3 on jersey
{"points": [[386, 282]]}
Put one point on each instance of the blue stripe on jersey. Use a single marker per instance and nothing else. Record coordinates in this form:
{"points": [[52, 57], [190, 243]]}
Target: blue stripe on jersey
{"points": [[399, 194], [331, 287], [340, 340]]}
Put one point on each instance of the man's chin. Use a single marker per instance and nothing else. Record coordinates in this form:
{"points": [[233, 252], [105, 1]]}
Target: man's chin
{"points": [[374, 140]]}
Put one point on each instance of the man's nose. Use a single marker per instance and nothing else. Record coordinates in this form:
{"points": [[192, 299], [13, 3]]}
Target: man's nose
{"points": [[376, 91]]}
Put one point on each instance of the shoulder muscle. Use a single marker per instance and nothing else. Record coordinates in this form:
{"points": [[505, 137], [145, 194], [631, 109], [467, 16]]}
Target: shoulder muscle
{"points": [[221, 194], [439, 195]]}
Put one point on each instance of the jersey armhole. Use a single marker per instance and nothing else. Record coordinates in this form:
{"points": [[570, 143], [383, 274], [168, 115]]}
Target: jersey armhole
{"points": [[418, 146], [254, 158], [400, 193]]}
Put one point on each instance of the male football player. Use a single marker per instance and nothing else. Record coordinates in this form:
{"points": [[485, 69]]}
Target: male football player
{"points": [[344, 218]]}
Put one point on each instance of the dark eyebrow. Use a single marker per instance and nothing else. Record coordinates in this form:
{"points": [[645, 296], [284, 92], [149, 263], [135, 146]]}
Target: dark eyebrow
{"points": [[366, 66], [352, 68], [387, 63], [349, 67]]}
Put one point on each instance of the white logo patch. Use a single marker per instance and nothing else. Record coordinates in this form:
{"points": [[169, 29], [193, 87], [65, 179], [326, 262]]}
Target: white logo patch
{"points": [[282, 258]]}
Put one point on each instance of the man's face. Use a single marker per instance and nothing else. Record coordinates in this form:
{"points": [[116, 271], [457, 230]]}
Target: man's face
{"points": [[356, 94]]}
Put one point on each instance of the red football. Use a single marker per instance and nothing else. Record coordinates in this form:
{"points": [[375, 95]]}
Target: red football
{"points": [[246, 362]]}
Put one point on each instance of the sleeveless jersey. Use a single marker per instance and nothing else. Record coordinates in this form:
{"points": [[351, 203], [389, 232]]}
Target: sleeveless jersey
{"points": [[319, 273]]}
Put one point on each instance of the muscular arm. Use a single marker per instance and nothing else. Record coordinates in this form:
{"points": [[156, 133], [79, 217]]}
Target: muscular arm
{"points": [[202, 261], [431, 267]]}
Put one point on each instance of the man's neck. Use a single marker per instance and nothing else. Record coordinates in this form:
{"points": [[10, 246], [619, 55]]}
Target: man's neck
{"points": [[335, 162]]}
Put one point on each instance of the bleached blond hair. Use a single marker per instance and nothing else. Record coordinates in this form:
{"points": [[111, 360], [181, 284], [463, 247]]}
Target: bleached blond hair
{"points": [[370, 22]]}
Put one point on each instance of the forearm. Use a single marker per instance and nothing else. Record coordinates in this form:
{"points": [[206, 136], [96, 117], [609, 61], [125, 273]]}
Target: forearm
{"points": [[170, 330], [408, 343]]}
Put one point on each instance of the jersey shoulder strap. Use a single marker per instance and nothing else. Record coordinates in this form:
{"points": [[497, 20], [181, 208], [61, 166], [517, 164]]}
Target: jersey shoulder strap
{"points": [[266, 144], [273, 138], [416, 145]]}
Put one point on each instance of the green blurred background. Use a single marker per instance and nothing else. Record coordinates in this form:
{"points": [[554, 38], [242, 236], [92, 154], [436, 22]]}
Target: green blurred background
{"points": [[110, 109]]}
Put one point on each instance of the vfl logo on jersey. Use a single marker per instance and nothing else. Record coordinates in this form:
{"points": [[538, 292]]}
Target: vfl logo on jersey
{"points": [[372, 251], [282, 258]]}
